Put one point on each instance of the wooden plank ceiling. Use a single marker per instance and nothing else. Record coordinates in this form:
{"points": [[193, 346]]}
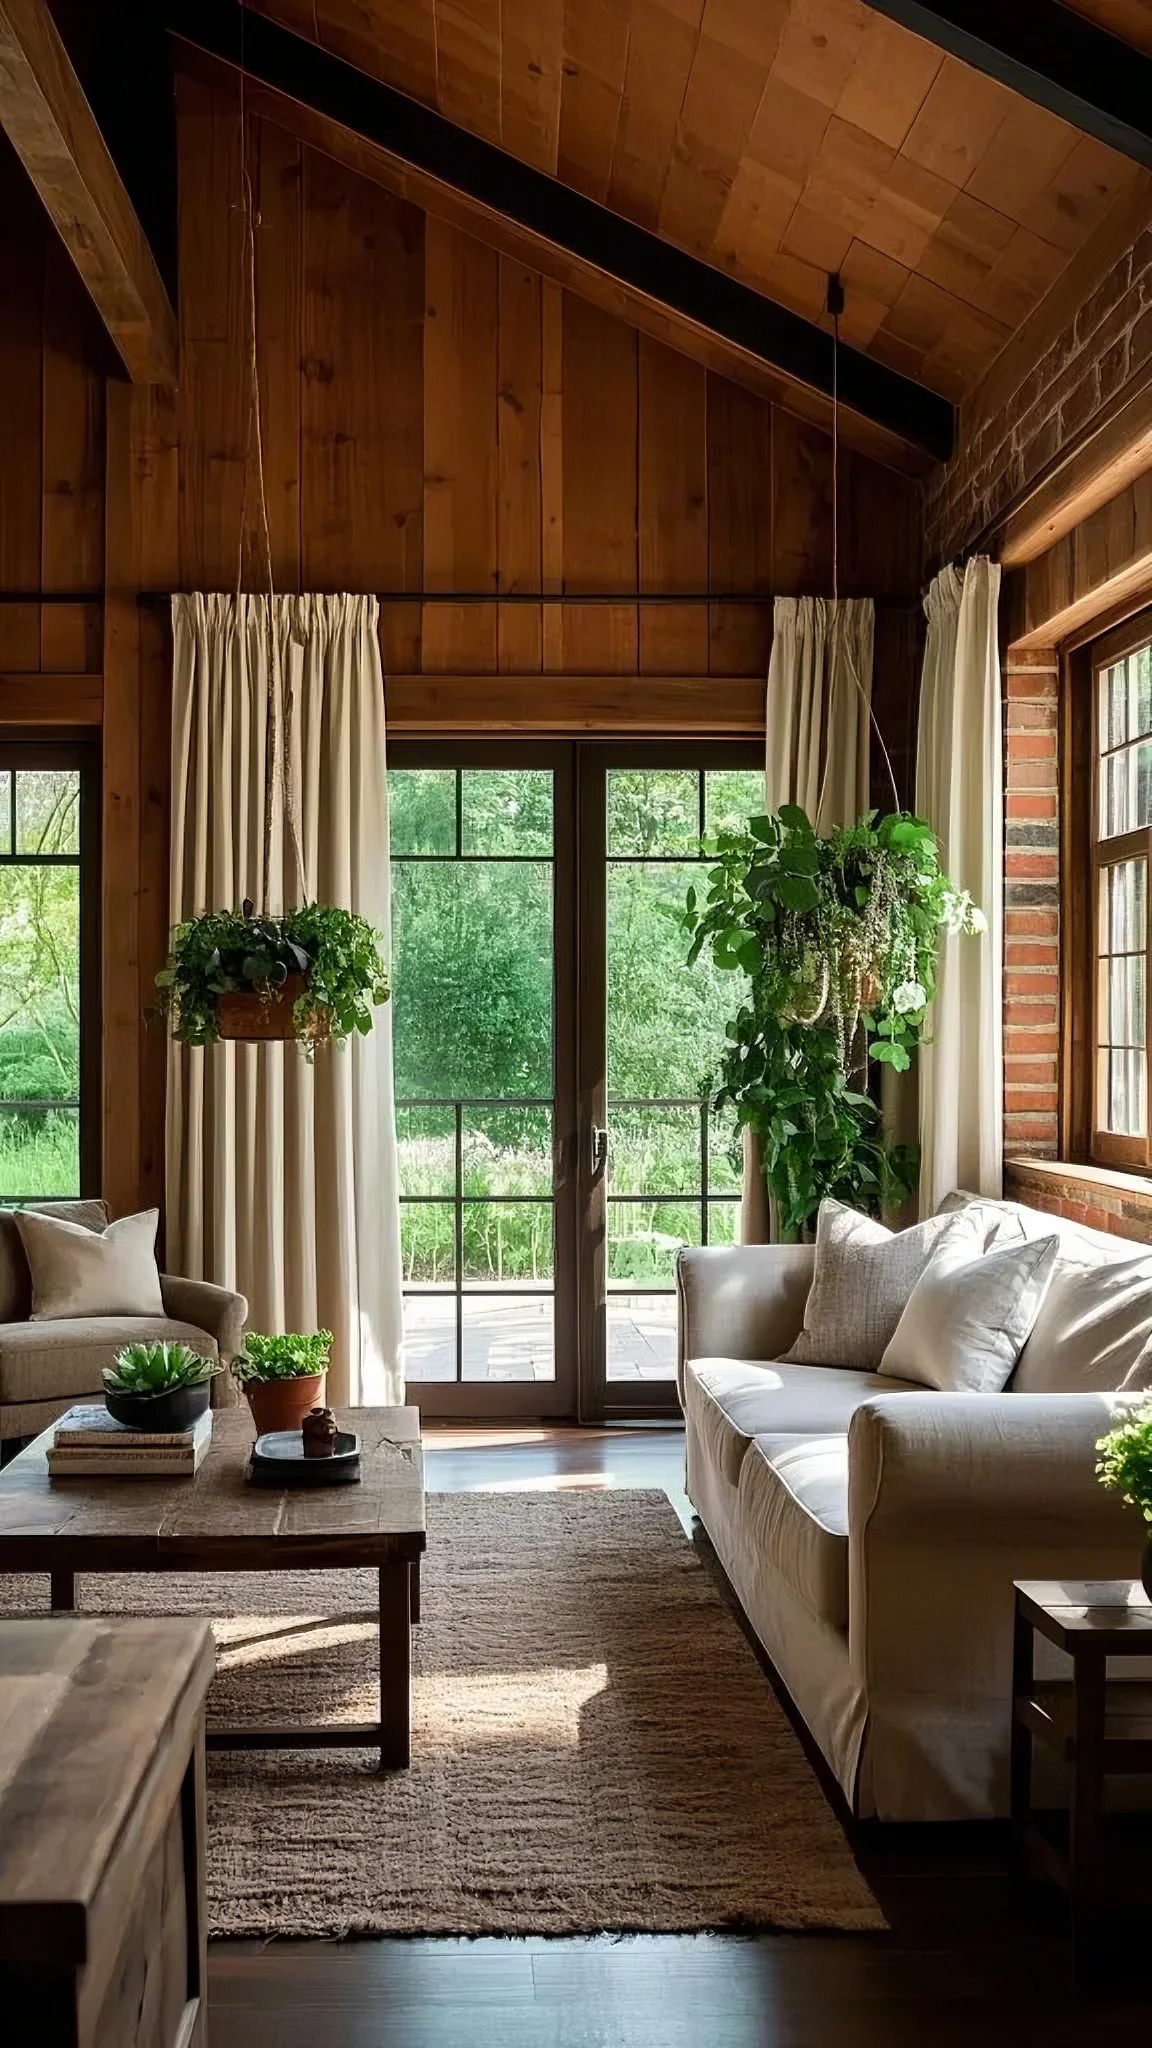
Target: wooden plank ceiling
{"points": [[778, 139]]}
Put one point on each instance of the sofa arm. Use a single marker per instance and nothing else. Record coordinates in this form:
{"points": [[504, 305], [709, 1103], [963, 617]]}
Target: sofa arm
{"points": [[742, 1300], [949, 1462], [215, 1309], [952, 1497]]}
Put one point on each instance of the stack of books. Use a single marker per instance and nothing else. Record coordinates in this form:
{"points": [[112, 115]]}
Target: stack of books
{"points": [[90, 1443]]}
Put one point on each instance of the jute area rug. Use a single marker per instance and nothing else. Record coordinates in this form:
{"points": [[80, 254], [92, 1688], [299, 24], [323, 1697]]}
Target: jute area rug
{"points": [[594, 1744]]}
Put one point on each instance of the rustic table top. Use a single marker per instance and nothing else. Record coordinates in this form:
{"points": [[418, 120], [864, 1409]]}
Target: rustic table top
{"points": [[1113, 1616], [84, 1706], [216, 1520]]}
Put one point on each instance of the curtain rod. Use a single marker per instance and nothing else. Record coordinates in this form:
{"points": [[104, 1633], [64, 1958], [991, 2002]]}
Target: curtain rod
{"points": [[572, 597]]}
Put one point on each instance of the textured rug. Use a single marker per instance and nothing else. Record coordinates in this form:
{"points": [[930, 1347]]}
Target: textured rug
{"points": [[594, 1744]]}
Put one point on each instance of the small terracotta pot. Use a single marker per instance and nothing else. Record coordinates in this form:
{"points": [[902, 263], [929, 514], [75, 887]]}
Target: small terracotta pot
{"points": [[244, 1014], [283, 1404]]}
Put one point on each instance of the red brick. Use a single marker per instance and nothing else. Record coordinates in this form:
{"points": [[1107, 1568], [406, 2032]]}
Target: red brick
{"points": [[1032, 923], [1034, 867], [1031, 774], [1034, 683], [1032, 953], [1039, 805], [1033, 714], [1032, 746], [1029, 983], [1017, 1040], [1030, 1073], [1030, 1101]]}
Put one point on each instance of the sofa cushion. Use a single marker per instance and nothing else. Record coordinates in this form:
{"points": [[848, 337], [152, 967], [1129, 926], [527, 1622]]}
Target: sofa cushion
{"points": [[971, 1312], [1094, 1328], [863, 1276], [15, 1278], [794, 1495], [732, 1400], [80, 1272], [62, 1360]]}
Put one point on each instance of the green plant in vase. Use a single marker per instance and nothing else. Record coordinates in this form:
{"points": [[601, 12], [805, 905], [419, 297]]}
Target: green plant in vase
{"points": [[1124, 1465], [314, 974], [160, 1387], [283, 1376], [838, 934]]}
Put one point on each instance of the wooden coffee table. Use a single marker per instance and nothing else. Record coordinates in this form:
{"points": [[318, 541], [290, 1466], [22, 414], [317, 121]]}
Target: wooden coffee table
{"points": [[217, 1522]]}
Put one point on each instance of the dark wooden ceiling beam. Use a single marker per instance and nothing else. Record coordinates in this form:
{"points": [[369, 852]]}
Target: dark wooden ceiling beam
{"points": [[559, 231], [54, 132], [1049, 55]]}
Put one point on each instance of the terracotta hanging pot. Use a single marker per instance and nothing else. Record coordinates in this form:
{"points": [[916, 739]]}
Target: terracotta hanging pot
{"points": [[283, 1404], [245, 1014]]}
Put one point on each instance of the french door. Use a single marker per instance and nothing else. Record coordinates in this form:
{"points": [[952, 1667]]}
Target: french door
{"points": [[554, 1055]]}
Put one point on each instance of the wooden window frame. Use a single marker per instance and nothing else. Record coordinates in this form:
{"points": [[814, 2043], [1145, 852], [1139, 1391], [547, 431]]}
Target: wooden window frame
{"points": [[1085, 858]]}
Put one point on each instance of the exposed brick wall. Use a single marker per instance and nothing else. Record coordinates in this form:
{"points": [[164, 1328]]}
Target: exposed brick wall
{"points": [[1104, 1201], [1031, 905], [1107, 341]]}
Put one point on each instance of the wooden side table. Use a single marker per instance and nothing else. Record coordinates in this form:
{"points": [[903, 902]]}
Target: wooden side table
{"points": [[1094, 1727]]}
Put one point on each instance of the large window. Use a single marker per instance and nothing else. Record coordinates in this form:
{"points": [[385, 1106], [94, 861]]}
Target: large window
{"points": [[1120, 724], [46, 1046]]}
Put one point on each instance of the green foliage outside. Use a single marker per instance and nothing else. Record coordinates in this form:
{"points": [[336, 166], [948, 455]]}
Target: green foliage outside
{"points": [[295, 1355], [472, 1016], [157, 1368], [39, 984], [836, 937], [1125, 1461]]}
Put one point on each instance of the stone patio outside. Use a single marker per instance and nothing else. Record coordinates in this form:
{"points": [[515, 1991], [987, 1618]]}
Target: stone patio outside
{"points": [[509, 1337]]}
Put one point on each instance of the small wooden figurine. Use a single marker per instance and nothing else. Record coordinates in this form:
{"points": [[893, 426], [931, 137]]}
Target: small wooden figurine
{"points": [[318, 1430]]}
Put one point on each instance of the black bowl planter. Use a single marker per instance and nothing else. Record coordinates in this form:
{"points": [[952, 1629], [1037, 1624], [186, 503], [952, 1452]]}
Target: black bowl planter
{"points": [[160, 1414]]}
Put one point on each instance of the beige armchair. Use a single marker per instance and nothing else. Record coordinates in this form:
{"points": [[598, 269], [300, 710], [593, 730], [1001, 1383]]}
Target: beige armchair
{"points": [[47, 1366]]}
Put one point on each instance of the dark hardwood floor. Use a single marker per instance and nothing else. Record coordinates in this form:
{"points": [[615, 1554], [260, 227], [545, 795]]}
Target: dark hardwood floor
{"points": [[972, 1956]]}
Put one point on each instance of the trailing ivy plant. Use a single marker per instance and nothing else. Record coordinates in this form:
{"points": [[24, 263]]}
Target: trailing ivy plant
{"points": [[838, 935], [336, 951]]}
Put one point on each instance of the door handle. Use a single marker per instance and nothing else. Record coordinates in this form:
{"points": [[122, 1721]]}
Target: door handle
{"points": [[599, 1150]]}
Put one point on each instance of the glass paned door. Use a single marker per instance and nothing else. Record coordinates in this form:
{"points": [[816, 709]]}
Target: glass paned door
{"points": [[481, 945], [666, 1173]]}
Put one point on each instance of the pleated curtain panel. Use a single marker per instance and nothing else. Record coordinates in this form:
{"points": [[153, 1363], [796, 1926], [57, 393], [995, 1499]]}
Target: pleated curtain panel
{"points": [[817, 755], [959, 790], [281, 1176]]}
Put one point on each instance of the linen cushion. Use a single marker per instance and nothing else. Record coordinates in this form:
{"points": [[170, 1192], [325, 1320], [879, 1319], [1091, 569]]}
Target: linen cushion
{"points": [[863, 1277], [794, 1492], [64, 1360], [731, 1401], [1093, 1330], [15, 1279], [79, 1272], [971, 1311]]}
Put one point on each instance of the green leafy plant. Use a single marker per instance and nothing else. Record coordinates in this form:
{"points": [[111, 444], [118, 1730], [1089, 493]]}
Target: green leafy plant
{"points": [[1124, 1463], [336, 951], [157, 1368], [293, 1356], [838, 935]]}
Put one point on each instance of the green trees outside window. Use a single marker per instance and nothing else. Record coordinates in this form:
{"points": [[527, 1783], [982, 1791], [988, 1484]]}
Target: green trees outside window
{"points": [[39, 982]]}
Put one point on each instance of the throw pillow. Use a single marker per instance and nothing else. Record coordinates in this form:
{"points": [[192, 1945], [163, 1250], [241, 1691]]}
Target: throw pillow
{"points": [[1093, 1327], [971, 1311], [79, 1272], [864, 1274]]}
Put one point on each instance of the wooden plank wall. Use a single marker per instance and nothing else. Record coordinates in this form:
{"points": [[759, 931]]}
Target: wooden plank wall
{"points": [[437, 417]]}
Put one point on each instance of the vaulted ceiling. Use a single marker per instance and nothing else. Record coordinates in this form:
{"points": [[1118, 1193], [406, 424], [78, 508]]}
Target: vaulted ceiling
{"points": [[777, 139]]}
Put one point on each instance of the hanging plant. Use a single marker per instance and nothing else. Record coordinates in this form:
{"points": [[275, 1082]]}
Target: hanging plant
{"points": [[839, 936], [314, 974]]}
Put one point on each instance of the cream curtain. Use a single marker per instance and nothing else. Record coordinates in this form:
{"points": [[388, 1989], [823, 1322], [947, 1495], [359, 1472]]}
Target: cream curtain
{"points": [[817, 755], [818, 740], [959, 790], [282, 1177]]}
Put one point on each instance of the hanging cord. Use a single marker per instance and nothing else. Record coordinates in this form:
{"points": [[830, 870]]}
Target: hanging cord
{"points": [[277, 763], [835, 308]]}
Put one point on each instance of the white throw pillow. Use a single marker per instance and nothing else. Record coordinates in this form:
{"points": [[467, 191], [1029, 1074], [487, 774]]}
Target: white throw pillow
{"points": [[971, 1311], [79, 1272], [864, 1274], [1093, 1328]]}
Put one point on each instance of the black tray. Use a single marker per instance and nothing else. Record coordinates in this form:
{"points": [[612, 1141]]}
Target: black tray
{"points": [[278, 1460]]}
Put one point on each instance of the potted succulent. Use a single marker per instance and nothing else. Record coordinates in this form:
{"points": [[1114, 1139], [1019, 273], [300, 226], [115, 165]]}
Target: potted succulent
{"points": [[283, 1377], [1125, 1465], [314, 974], [161, 1387]]}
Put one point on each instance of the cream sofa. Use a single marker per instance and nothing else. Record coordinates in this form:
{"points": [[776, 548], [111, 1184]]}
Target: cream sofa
{"points": [[46, 1366], [872, 1530]]}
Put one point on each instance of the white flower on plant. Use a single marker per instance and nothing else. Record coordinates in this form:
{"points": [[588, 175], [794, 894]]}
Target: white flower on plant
{"points": [[909, 996], [961, 914]]}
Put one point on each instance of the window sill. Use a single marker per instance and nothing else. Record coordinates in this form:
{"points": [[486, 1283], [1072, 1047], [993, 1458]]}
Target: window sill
{"points": [[1098, 1195], [1080, 1175]]}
